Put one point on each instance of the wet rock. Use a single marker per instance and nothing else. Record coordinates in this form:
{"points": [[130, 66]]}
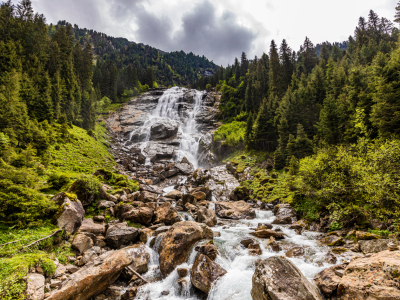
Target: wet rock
{"points": [[82, 243], [161, 230], [182, 272], [205, 272], [199, 196], [278, 278], [234, 210], [336, 241], [330, 258], [366, 236], [142, 215], [273, 245], [120, 234], [267, 233], [204, 190], [246, 242], [221, 182], [189, 199], [185, 168], [140, 261], [206, 216], [174, 195], [371, 277], [163, 129], [156, 151], [285, 214], [145, 234], [167, 214], [262, 226], [94, 278], [191, 208], [373, 246], [176, 244], [255, 249], [295, 252], [35, 286], [146, 196], [71, 212], [328, 280], [209, 250], [130, 293], [91, 227]]}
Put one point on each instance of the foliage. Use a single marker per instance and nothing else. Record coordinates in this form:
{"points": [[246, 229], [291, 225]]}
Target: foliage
{"points": [[232, 134], [335, 226]]}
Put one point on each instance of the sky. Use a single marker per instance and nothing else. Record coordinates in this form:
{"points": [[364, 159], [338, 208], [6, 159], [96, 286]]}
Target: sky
{"points": [[221, 30]]}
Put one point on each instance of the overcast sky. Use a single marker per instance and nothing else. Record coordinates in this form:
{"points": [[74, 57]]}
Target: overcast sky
{"points": [[221, 29]]}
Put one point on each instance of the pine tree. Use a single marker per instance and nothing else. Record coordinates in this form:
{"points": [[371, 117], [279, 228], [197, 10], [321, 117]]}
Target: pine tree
{"points": [[309, 54], [275, 72], [248, 137], [285, 53], [397, 15]]}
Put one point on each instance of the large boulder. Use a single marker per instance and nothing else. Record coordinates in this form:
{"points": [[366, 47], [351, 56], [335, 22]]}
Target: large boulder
{"points": [[373, 246], [163, 129], [167, 214], [156, 150], [82, 243], [328, 280], [96, 277], [205, 272], [121, 234], [140, 260], [142, 215], [278, 278], [177, 242], [267, 233], [88, 225], [221, 182], [146, 196], [285, 214], [34, 286], [234, 210], [70, 213], [371, 277], [206, 216]]}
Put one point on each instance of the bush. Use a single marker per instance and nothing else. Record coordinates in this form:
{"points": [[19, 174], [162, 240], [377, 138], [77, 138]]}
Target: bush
{"points": [[232, 133], [57, 181]]}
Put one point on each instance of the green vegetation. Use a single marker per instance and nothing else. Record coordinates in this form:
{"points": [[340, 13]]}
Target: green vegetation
{"points": [[335, 226], [232, 133]]}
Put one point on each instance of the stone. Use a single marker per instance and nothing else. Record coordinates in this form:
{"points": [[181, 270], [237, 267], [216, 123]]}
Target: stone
{"points": [[360, 235], [142, 215], [99, 219], [209, 250], [373, 246], [176, 243], [103, 204], [82, 243], [188, 198], [234, 210], [60, 271], [199, 196], [206, 216], [174, 195], [145, 234], [35, 286], [273, 245], [246, 242], [185, 168], [255, 249], [130, 293], [71, 212], [93, 279], [267, 233], [88, 225], [328, 280], [278, 278], [205, 272], [182, 272], [191, 208], [285, 214], [161, 230], [295, 252], [393, 246], [163, 129], [146, 196], [140, 260], [120, 234], [72, 269], [371, 277], [167, 214]]}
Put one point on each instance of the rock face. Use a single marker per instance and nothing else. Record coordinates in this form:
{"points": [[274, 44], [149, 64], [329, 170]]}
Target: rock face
{"points": [[329, 279], [120, 234], [206, 216], [234, 210], [177, 242], [95, 277], [35, 286], [167, 214], [374, 277], [285, 214], [205, 272], [71, 213], [163, 129], [278, 278]]}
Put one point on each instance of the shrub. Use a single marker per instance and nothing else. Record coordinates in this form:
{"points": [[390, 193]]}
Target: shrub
{"points": [[57, 181], [232, 133]]}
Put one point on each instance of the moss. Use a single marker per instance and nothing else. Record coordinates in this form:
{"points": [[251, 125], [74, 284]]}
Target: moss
{"points": [[71, 196]]}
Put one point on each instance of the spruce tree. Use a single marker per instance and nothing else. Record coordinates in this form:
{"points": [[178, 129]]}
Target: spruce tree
{"points": [[397, 15], [248, 137]]}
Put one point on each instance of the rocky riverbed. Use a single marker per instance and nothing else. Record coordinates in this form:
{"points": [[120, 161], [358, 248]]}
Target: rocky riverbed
{"points": [[187, 234]]}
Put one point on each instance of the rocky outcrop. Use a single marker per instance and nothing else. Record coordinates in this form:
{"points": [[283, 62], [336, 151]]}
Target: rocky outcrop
{"points": [[278, 278], [70, 212], [371, 277], [205, 272], [285, 214], [234, 210], [329, 279], [35, 286], [167, 214], [163, 129], [373, 246], [120, 234], [176, 244], [209, 250], [94, 278], [206, 216]]}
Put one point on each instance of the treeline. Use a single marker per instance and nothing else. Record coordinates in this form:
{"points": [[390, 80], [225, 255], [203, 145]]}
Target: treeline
{"points": [[125, 68], [294, 101]]}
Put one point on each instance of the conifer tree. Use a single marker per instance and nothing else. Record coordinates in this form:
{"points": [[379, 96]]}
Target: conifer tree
{"points": [[397, 15], [249, 130]]}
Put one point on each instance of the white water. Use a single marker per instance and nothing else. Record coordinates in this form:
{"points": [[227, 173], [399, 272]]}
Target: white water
{"points": [[167, 108], [240, 266]]}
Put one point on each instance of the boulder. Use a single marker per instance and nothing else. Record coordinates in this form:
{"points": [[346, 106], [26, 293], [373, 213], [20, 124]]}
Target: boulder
{"points": [[167, 214], [174, 195], [177, 242], [88, 225], [371, 277], [255, 249], [373, 246], [120, 234], [246, 242], [163, 129], [362, 236], [70, 213], [145, 234], [94, 278], [188, 198], [295, 252], [209, 250], [140, 260], [267, 233], [328, 280], [273, 245], [82, 243], [234, 210], [206, 216], [285, 214], [146, 196], [205, 272], [156, 151], [199, 196], [185, 168], [142, 215], [278, 278], [35, 286], [103, 204]]}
